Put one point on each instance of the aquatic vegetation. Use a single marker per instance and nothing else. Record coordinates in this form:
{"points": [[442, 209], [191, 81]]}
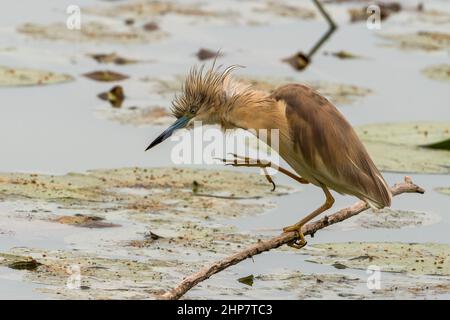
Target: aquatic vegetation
{"points": [[438, 72], [91, 32], [180, 211], [112, 58], [30, 77], [137, 116], [421, 40], [145, 8], [105, 76], [388, 218], [115, 96], [399, 147], [338, 286], [409, 258], [443, 190], [278, 8]]}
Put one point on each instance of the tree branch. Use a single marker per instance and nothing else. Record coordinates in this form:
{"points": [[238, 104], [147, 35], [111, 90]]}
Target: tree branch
{"points": [[309, 229]]}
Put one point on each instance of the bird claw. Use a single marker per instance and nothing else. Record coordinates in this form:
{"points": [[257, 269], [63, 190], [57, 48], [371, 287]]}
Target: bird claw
{"points": [[247, 163], [299, 242]]}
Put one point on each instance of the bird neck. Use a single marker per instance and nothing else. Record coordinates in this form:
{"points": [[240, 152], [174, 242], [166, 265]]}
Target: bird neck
{"points": [[256, 110]]}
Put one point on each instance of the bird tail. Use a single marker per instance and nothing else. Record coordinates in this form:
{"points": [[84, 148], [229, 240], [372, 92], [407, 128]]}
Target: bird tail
{"points": [[380, 195]]}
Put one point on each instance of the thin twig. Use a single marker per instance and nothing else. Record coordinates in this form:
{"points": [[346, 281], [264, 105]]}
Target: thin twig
{"points": [[189, 282], [332, 28]]}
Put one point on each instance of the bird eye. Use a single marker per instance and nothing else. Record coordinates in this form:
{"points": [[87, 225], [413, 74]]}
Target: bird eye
{"points": [[192, 110]]}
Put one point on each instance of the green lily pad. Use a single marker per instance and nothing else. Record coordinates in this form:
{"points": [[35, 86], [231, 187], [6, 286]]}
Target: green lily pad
{"points": [[410, 258], [248, 280], [30, 77], [440, 145], [398, 147]]}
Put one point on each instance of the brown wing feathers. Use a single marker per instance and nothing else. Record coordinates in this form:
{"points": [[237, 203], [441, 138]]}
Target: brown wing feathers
{"points": [[322, 134]]}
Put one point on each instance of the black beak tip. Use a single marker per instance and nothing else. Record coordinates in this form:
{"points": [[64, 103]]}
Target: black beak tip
{"points": [[150, 146], [158, 140]]}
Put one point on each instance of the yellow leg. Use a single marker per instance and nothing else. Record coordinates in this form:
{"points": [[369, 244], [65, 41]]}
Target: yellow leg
{"points": [[247, 162], [301, 242]]}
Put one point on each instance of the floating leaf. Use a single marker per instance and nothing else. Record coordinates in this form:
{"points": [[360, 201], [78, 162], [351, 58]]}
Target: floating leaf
{"points": [[397, 147], [440, 72], [423, 40], [248, 280], [297, 285], [138, 116], [441, 145], [412, 258], [205, 54], [115, 96], [111, 58], [91, 32], [150, 26], [286, 10], [83, 221], [387, 218], [30, 77], [24, 264], [343, 55], [443, 190], [150, 202], [106, 76], [298, 61]]}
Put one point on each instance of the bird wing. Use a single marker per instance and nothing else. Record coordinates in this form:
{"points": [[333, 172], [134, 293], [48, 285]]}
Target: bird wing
{"points": [[329, 147]]}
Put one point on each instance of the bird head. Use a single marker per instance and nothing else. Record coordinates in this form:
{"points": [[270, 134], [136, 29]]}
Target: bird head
{"points": [[205, 96]]}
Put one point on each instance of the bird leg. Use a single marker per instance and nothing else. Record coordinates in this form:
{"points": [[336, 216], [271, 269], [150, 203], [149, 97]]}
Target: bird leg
{"points": [[248, 162], [301, 242]]}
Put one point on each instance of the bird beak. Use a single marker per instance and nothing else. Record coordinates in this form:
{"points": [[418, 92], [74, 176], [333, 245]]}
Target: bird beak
{"points": [[180, 123]]}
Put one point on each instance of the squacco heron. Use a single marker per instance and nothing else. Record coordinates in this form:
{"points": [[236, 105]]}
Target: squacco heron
{"points": [[315, 139]]}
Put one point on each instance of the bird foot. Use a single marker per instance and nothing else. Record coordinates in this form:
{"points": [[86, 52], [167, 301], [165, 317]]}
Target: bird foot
{"points": [[240, 161], [299, 242]]}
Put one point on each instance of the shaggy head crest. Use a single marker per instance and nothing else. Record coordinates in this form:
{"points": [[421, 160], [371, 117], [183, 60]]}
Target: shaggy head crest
{"points": [[212, 87]]}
